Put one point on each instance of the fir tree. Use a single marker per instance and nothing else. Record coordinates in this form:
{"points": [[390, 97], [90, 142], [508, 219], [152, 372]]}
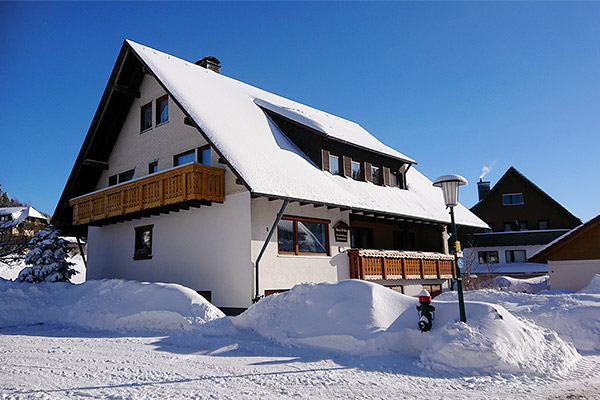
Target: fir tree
{"points": [[48, 259]]}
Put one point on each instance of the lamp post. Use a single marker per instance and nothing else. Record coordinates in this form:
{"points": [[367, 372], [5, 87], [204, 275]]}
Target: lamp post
{"points": [[449, 185]]}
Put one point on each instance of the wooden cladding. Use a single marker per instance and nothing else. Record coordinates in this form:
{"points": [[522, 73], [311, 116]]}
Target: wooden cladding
{"points": [[188, 182], [374, 265]]}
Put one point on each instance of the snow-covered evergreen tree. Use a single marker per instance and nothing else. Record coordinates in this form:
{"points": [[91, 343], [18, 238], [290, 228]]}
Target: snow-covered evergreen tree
{"points": [[48, 259]]}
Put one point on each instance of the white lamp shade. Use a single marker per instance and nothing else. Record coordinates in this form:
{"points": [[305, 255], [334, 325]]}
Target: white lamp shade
{"points": [[449, 185]]}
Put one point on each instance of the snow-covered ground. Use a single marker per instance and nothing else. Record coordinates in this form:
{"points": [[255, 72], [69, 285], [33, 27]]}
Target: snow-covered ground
{"points": [[125, 339]]}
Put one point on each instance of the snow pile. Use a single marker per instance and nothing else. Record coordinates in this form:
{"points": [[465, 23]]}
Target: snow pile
{"points": [[359, 317], [575, 316], [106, 304], [531, 285]]}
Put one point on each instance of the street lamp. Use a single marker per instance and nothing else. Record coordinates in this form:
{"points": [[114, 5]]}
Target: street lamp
{"points": [[449, 185]]}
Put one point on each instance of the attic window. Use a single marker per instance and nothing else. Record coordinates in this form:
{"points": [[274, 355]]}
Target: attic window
{"points": [[146, 117], [204, 155], [162, 110], [357, 172], [184, 158], [376, 174], [334, 164], [122, 177], [512, 199]]}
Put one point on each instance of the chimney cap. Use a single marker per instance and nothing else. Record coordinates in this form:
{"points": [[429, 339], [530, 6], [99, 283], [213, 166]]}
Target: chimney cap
{"points": [[210, 62]]}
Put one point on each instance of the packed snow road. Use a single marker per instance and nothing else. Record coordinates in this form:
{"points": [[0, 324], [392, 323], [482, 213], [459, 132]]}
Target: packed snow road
{"points": [[53, 363]]}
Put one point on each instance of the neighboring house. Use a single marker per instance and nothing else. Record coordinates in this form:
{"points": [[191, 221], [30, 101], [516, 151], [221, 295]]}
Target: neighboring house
{"points": [[522, 219], [23, 220], [574, 258], [184, 173]]}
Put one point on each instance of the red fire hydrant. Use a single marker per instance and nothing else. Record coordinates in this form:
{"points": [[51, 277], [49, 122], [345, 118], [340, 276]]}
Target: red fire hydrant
{"points": [[426, 311]]}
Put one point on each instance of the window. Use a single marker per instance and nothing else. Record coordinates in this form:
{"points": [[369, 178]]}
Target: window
{"points": [[376, 173], [143, 243], [184, 158], [522, 225], [488, 257], [303, 236], [397, 179], [204, 155], [507, 227], [543, 224], [334, 164], [162, 110], [122, 177], [146, 119], [356, 170], [515, 256], [153, 167], [512, 199]]}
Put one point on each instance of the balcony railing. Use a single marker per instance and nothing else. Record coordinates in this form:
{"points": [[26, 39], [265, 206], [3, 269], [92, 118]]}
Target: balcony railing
{"points": [[383, 264], [190, 182]]}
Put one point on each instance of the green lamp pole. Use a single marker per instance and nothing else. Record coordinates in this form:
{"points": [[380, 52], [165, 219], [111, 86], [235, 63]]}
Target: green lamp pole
{"points": [[449, 185]]}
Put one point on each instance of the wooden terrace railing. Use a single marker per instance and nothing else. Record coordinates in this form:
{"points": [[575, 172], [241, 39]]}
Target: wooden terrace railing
{"points": [[176, 185], [384, 264]]}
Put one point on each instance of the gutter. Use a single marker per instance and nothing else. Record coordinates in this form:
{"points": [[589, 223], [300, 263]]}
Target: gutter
{"points": [[264, 247]]}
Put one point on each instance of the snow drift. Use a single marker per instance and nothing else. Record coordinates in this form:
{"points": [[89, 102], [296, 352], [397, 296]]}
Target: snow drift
{"points": [[111, 304], [575, 316], [359, 317]]}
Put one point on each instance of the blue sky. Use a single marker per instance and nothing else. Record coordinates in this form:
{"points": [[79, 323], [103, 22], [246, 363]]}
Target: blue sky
{"points": [[455, 86]]}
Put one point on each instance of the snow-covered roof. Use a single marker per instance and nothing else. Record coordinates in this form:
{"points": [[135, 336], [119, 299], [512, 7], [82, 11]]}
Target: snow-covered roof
{"points": [[230, 115], [19, 214]]}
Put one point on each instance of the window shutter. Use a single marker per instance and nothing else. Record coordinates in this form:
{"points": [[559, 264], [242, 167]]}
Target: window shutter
{"points": [[325, 159], [368, 172], [386, 176], [347, 167]]}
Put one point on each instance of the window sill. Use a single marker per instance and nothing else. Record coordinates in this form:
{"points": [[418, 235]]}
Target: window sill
{"points": [[146, 130], [142, 257], [314, 256], [162, 123]]}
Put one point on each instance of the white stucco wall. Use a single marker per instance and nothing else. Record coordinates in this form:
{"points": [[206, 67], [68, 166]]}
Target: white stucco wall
{"points": [[205, 248], [572, 275], [285, 271]]}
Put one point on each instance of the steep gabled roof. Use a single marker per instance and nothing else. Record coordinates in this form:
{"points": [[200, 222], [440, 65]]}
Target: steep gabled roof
{"points": [[230, 115], [513, 171]]}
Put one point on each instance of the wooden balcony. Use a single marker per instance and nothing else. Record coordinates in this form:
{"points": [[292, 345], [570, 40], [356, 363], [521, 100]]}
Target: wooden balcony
{"points": [[190, 184], [383, 264]]}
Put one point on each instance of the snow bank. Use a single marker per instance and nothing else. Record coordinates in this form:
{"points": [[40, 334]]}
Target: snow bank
{"points": [[114, 304], [575, 316], [531, 285], [357, 317]]}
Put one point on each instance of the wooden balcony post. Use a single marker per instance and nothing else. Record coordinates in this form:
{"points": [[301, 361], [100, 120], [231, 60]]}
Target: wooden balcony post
{"points": [[403, 268], [383, 268], [422, 268], [360, 268], [437, 268]]}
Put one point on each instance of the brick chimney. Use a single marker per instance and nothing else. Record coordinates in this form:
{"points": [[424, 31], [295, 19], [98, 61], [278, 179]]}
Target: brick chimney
{"points": [[483, 188], [211, 63]]}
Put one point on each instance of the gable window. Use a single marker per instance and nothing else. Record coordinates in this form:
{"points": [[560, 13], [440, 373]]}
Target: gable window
{"points": [[515, 256], [357, 170], [522, 225], [334, 164], [303, 236], [146, 119], [184, 158], [153, 167], [512, 199], [376, 174], [544, 224], [507, 227], [122, 177], [162, 110], [488, 257], [143, 243], [204, 155]]}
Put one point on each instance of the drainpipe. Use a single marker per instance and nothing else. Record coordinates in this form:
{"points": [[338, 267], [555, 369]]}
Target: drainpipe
{"points": [[262, 251], [81, 251]]}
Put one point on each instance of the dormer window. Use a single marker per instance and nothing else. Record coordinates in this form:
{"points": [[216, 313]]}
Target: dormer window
{"points": [[357, 172], [376, 174], [146, 119], [334, 164], [162, 110]]}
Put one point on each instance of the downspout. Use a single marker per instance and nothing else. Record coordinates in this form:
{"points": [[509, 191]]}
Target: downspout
{"points": [[81, 251], [262, 251]]}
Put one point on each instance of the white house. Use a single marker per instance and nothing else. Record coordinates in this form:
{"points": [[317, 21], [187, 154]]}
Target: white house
{"points": [[192, 177]]}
